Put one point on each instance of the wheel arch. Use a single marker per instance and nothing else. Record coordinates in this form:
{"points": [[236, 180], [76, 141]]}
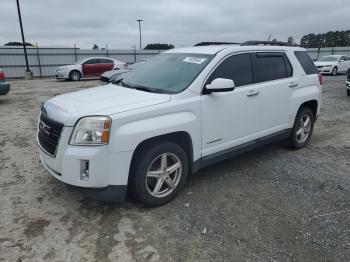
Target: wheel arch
{"points": [[181, 138], [77, 70], [312, 104]]}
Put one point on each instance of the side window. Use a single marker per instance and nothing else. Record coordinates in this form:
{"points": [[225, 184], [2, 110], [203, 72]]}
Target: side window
{"points": [[272, 66], [236, 67], [306, 62], [105, 61], [342, 58], [92, 61]]}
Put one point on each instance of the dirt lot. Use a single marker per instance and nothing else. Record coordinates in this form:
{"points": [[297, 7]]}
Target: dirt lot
{"points": [[272, 204]]}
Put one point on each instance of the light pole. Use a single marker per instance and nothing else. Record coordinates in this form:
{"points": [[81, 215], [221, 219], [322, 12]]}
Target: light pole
{"points": [[140, 20], [28, 73]]}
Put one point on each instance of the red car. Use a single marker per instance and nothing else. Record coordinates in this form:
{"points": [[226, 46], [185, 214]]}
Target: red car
{"points": [[88, 67], [4, 86]]}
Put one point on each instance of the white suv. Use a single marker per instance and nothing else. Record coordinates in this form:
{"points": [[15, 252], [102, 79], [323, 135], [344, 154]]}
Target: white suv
{"points": [[176, 113]]}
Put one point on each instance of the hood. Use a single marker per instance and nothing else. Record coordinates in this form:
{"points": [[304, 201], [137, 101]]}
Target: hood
{"points": [[103, 100], [68, 67], [317, 63]]}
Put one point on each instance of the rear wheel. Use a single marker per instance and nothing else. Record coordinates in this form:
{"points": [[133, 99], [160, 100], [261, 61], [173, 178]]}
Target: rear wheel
{"points": [[159, 173], [334, 71], [74, 75], [302, 129]]}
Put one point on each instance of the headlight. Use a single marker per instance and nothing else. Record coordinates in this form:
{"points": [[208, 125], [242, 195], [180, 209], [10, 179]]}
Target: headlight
{"points": [[92, 130]]}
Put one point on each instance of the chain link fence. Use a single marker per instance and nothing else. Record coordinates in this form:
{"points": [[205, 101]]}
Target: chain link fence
{"points": [[43, 61]]}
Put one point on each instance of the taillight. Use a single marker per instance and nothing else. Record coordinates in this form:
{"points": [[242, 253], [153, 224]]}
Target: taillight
{"points": [[320, 78], [2, 75]]}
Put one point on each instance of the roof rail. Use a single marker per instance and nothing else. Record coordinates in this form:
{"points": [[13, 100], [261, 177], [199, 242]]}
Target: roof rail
{"points": [[278, 43], [215, 43]]}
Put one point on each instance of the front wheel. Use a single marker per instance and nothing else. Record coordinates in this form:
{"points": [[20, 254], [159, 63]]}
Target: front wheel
{"points": [[74, 75], [302, 129], [334, 71], [159, 173]]}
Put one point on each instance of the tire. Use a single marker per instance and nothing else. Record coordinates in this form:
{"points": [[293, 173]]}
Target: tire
{"points": [[335, 71], [74, 75], [150, 184], [301, 133], [348, 92]]}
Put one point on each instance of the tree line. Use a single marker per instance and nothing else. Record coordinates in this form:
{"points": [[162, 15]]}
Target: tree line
{"points": [[329, 39]]}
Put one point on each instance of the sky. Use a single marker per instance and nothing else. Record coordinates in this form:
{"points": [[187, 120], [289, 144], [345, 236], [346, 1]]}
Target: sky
{"points": [[179, 22]]}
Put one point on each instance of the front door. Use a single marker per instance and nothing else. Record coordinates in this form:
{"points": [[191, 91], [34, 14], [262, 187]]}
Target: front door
{"points": [[91, 67], [231, 118]]}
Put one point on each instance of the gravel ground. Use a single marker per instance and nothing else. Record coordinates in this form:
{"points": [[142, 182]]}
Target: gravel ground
{"points": [[271, 204]]}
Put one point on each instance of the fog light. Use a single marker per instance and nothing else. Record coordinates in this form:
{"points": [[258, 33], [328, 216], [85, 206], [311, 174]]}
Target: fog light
{"points": [[84, 170]]}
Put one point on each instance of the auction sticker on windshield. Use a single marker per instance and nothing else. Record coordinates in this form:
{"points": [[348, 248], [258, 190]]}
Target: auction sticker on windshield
{"points": [[194, 60]]}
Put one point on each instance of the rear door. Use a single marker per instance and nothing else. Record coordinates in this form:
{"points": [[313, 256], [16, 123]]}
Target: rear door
{"points": [[91, 67], [273, 74]]}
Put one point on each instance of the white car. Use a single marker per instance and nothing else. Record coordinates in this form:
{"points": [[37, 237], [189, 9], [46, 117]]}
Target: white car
{"points": [[347, 83], [333, 64], [88, 67], [188, 108]]}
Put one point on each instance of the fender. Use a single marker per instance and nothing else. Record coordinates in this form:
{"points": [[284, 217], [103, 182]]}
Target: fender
{"points": [[127, 136], [302, 95]]}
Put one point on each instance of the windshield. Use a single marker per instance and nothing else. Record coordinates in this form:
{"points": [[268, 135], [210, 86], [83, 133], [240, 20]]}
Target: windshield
{"points": [[80, 61], [167, 73], [328, 59]]}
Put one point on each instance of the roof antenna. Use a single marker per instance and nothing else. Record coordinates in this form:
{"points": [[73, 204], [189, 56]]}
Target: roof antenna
{"points": [[268, 39]]}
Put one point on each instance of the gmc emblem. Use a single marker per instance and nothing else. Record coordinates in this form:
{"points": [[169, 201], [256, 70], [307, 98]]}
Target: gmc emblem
{"points": [[44, 128]]}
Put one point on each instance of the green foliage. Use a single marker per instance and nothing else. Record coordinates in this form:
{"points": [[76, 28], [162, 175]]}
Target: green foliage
{"points": [[17, 44], [329, 39], [159, 47], [290, 40]]}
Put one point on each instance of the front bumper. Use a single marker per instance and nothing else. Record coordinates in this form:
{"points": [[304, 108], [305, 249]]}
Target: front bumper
{"points": [[325, 70], [108, 170], [4, 88]]}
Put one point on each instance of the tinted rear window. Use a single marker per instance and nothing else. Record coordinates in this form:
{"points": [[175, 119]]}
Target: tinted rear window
{"points": [[272, 66], [306, 62]]}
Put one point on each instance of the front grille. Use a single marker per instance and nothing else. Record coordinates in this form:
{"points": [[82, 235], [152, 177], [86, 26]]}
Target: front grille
{"points": [[319, 66], [49, 132]]}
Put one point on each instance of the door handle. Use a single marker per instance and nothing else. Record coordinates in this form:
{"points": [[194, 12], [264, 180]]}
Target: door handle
{"points": [[292, 85], [252, 93]]}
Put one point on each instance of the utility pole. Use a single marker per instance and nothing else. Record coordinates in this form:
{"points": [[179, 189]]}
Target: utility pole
{"points": [[28, 73], [140, 20]]}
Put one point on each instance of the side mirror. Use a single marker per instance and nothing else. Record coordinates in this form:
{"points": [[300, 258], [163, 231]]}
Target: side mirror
{"points": [[220, 85]]}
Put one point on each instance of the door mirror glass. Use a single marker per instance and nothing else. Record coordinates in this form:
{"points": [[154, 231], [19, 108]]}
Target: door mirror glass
{"points": [[220, 85]]}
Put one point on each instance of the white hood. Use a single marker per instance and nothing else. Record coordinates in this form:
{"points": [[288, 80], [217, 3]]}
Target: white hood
{"points": [[103, 100], [331, 63]]}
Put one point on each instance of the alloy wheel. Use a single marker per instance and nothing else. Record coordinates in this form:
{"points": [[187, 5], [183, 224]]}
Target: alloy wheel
{"points": [[163, 175], [304, 129]]}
